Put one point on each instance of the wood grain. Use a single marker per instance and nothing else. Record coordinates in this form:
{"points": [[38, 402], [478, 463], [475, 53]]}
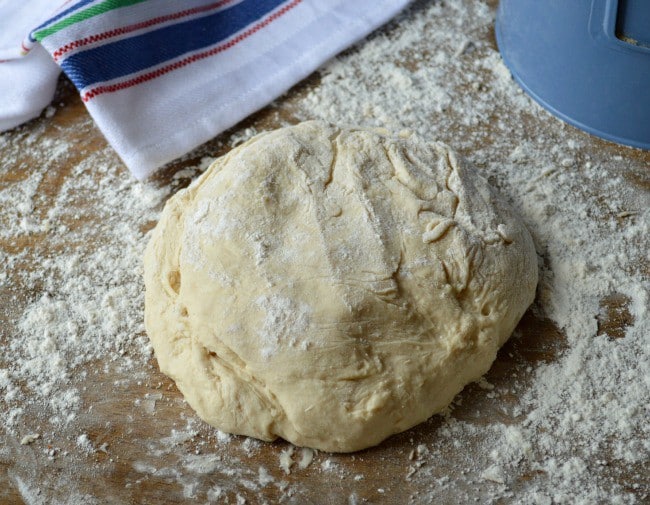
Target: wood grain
{"points": [[132, 417]]}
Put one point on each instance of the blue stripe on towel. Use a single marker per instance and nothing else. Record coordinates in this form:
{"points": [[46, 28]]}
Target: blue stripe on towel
{"points": [[137, 53]]}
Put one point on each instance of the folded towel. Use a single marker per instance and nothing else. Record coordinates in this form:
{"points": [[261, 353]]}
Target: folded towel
{"points": [[160, 77]]}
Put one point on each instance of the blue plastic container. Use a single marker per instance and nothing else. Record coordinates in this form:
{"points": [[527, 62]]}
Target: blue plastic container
{"points": [[586, 61]]}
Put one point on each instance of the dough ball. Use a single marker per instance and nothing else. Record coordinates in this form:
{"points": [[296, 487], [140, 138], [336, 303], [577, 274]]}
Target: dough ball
{"points": [[333, 286]]}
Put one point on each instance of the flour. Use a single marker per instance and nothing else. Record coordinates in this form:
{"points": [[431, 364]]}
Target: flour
{"points": [[592, 400], [570, 427], [285, 321], [87, 307]]}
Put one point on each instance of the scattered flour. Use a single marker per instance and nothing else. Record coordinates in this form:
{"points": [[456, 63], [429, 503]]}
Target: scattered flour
{"points": [[571, 427], [284, 320], [592, 401], [84, 305]]}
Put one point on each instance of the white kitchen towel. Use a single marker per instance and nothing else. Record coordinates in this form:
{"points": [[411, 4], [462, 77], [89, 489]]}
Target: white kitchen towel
{"points": [[27, 83], [160, 77]]}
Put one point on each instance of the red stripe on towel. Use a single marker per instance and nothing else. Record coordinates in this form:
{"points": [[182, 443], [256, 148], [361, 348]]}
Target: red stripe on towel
{"points": [[100, 90]]}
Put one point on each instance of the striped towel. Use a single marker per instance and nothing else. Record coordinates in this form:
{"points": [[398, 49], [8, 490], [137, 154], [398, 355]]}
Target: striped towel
{"points": [[160, 77]]}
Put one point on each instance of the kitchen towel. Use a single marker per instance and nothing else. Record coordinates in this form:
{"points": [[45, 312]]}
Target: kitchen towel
{"points": [[160, 77]]}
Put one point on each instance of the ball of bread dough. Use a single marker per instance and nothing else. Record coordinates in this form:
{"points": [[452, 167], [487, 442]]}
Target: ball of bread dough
{"points": [[333, 286]]}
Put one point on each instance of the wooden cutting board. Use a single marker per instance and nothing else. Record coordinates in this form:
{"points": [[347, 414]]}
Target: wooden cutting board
{"points": [[140, 443]]}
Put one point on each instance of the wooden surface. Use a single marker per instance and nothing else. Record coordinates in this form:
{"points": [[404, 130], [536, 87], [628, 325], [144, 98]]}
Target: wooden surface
{"points": [[134, 416]]}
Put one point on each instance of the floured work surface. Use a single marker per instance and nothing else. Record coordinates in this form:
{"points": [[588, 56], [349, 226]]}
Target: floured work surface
{"points": [[561, 415]]}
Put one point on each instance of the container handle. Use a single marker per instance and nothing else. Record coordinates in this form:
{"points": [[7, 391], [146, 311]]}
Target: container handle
{"points": [[603, 21]]}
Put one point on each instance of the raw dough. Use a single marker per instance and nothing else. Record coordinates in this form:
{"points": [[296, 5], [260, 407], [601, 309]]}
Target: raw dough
{"points": [[333, 286]]}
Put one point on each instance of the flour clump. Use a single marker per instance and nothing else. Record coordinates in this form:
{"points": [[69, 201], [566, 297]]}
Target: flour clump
{"points": [[333, 286]]}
